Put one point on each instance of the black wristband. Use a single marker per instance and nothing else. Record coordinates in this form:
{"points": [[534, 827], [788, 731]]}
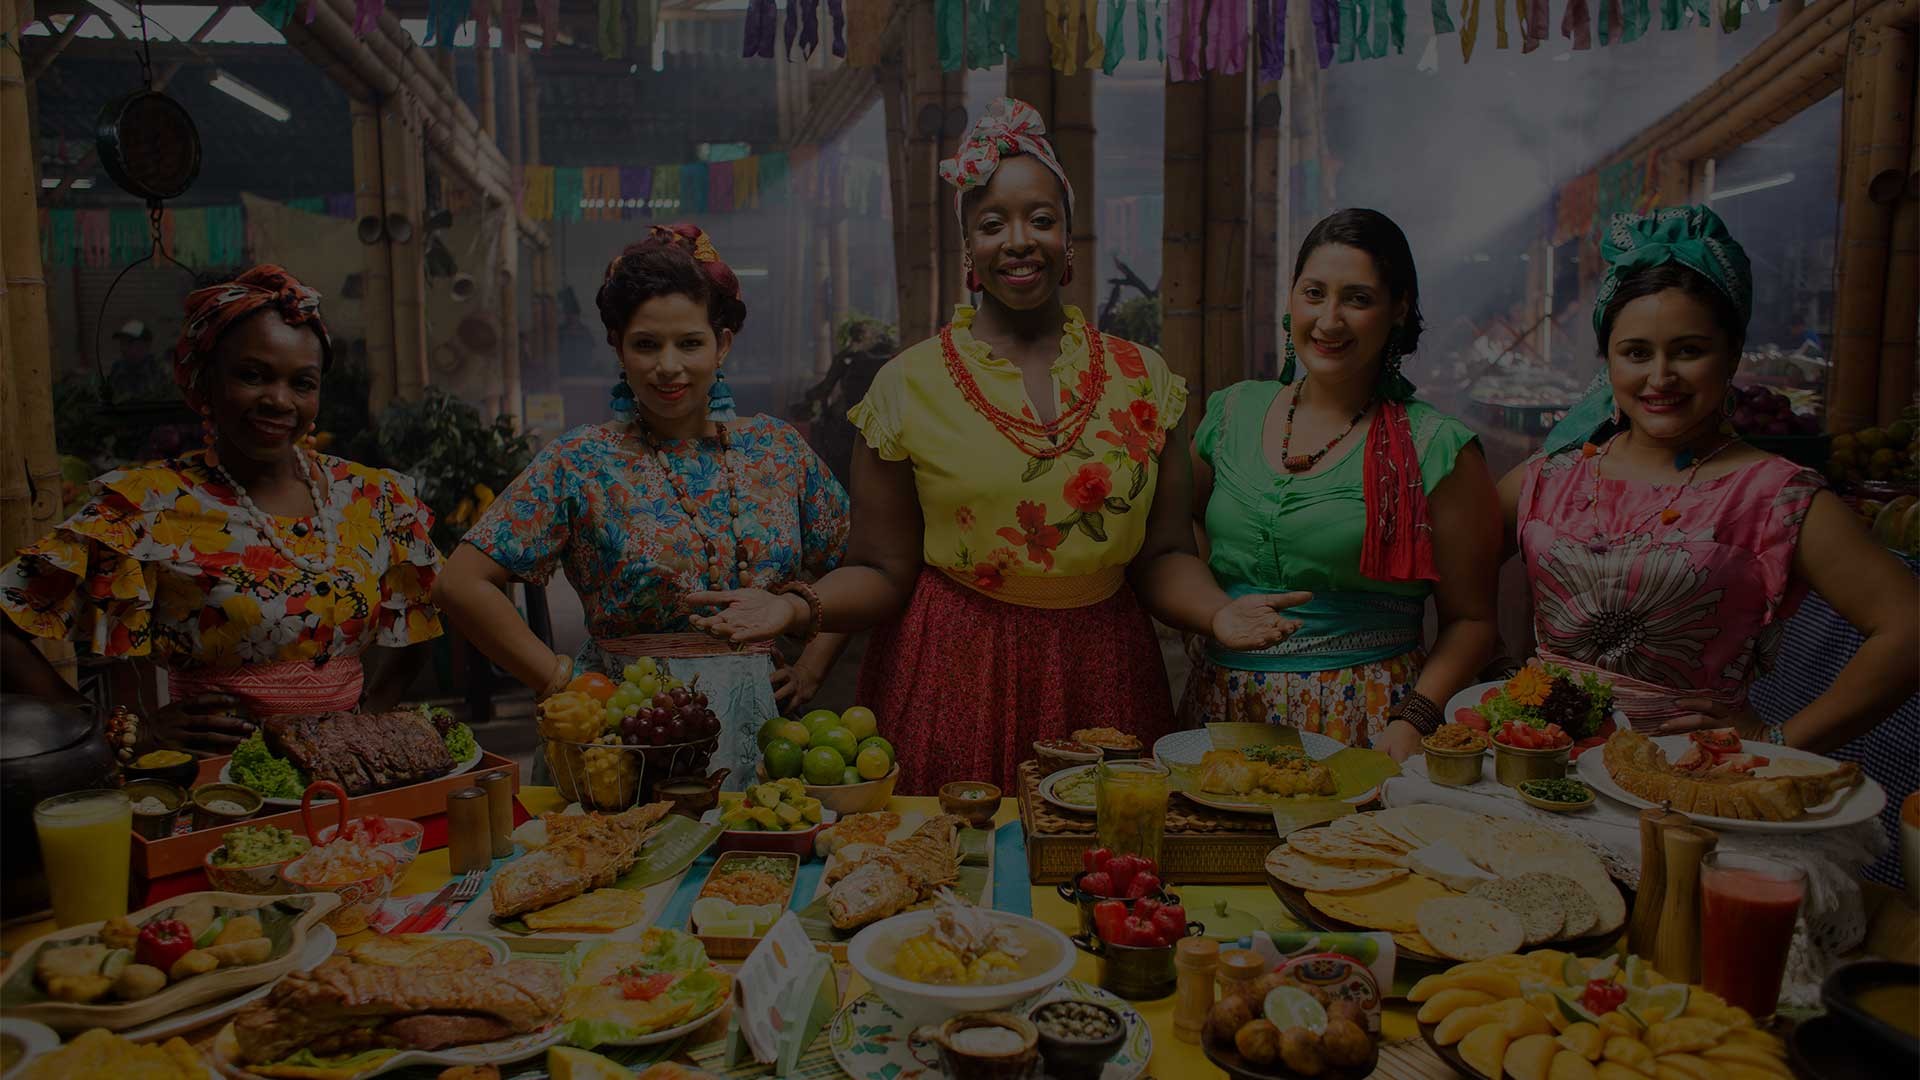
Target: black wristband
{"points": [[1419, 710]]}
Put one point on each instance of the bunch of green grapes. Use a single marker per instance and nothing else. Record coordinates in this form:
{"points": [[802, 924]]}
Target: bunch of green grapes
{"points": [[641, 682]]}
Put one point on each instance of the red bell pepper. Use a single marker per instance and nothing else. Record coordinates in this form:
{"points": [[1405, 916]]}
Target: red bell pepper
{"points": [[1145, 907], [646, 987], [1144, 883], [161, 942], [1123, 867], [1171, 921], [1138, 932], [1099, 883], [1095, 858], [1108, 915]]}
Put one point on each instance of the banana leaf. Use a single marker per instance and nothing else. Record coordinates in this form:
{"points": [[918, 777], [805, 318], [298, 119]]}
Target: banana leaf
{"points": [[1355, 772], [666, 855], [975, 885]]}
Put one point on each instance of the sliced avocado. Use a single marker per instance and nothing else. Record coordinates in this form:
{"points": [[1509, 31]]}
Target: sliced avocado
{"points": [[810, 809], [788, 813], [767, 795], [765, 817], [793, 788]]}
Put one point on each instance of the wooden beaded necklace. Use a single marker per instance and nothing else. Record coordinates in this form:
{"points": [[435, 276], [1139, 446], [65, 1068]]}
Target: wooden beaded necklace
{"points": [[1307, 461], [1028, 433], [717, 576], [1600, 542]]}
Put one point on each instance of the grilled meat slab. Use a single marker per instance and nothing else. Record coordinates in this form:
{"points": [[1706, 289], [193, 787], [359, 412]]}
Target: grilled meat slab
{"points": [[343, 1006], [362, 752]]}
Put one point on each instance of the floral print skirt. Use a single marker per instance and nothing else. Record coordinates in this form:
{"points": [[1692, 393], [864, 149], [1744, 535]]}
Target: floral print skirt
{"points": [[1349, 704]]}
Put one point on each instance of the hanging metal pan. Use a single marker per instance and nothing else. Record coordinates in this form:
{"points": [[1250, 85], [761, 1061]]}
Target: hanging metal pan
{"points": [[149, 145]]}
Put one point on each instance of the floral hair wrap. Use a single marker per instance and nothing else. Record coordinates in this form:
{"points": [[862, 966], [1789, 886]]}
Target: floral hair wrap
{"points": [[212, 311], [694, 241], [1692, 236], [1009, 127]]}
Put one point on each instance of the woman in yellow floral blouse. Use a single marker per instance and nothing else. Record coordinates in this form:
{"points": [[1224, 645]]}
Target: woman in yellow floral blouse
{"points": [[256, 571], [1020, 505]]}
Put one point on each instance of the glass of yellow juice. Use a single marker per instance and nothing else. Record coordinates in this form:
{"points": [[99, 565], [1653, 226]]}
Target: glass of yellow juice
{"points": [[86, 842], [1130, 806]]}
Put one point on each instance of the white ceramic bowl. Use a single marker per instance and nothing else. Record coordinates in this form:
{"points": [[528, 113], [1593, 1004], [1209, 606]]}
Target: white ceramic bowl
{"points": [[926, 1003]]}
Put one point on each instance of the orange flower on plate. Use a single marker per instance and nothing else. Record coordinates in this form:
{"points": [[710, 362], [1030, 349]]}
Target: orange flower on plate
{"points": [[1530, 686]]}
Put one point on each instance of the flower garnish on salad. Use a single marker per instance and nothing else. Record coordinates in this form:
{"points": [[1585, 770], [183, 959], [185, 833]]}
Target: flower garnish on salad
{"points": [[1543, 694]]}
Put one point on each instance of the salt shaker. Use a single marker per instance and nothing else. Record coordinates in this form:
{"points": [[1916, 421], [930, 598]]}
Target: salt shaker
{"points": [[499, 788], [469, 836], [1238, 970], [1194, 960]]}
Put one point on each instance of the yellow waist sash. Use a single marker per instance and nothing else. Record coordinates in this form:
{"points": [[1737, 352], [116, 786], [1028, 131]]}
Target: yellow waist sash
{"points": [[1084, 590]]}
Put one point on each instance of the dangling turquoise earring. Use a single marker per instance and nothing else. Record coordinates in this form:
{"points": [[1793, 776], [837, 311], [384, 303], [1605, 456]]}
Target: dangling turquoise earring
{"points": [[720, 400], [1286, 370], [621, 401]]}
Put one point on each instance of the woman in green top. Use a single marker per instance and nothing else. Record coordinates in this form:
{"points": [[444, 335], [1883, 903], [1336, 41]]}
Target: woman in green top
{"points": [[1345, 486]]}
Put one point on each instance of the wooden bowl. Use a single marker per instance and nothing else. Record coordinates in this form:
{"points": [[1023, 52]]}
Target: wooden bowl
{"points": [[974, 800], [843, 799]]}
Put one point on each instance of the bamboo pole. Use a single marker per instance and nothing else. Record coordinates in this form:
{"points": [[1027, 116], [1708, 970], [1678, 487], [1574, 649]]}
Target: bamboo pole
{"points": [[1183, 240], [483, 74], [1225, 306], [1901, 308], [1879, 89], [952, 271], [826, 298], [1072, 129], [370, 213], [1030, 78], [1263, 279], [32, 511], [508, 271], [511, 123], [403, 180], [919, 313], [894, 101]]}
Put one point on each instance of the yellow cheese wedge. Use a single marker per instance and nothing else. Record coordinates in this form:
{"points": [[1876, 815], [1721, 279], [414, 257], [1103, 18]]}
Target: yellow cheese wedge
{"points": [[1529, 1057]]}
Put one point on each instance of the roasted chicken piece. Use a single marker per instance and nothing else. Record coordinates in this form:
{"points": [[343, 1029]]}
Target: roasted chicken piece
{"points": [[1639, 766]]}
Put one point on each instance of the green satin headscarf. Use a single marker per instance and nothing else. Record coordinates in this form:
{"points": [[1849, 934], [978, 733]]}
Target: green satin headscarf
{"points": [[1692, 236]]}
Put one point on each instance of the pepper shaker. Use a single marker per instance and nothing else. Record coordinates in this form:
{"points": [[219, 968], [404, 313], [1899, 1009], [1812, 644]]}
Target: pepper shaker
{"points": [[499, 788], [1194, 959], [1644, 926], [1237, 970], [1676, 952], [469, 837]]}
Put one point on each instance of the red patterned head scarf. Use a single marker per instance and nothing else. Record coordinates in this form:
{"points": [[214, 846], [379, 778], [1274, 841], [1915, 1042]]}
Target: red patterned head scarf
{"points": [[212, 311], [694, 241], [1007, 128]]}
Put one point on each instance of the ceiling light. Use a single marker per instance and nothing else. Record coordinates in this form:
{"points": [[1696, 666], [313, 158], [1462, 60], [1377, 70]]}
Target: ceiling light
{"points": [[250, 97], [1748, 189]]}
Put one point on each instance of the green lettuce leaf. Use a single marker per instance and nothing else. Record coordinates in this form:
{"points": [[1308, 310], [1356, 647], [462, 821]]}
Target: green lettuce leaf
{"points": [[253, 766], [366, 1059], [460, 742]]}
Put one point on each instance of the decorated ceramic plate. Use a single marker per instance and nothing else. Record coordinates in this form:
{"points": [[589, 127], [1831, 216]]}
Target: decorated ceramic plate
{"points": [[1071, 779], [320, 943], [459, 767], [871, 1042], [1188, 747], [1850, 807], [31, 1040]]}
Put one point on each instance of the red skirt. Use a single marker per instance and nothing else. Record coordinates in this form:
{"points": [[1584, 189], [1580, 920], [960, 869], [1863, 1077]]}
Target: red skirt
{"points": [[963, 684]]}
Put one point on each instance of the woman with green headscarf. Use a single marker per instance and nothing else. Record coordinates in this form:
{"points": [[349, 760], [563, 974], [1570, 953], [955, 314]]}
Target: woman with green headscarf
{"points": [[1665, 555], [1361, 500]]}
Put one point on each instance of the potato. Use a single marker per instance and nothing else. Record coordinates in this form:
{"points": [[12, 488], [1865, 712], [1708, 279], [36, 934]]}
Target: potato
{"points": [[1258, 1042], [1349, 1011], [197, 962], [239, 928], [78, 989], [119, 933], [241, 953], [1345, 1043], [138, 981], [1227, 1017], [1302, 1052]]}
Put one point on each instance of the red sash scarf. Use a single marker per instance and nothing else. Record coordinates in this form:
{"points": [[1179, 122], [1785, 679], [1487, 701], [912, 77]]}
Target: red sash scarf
{"points": [[1399, 534]]}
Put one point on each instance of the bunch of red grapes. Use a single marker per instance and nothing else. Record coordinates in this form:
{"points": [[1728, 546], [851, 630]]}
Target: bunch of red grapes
{"points": [[676, 716]]}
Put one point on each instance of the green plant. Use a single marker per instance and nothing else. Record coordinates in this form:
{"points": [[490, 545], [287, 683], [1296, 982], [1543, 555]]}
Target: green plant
{"points": [[1138, 321], [458, 460], [859, 332]]}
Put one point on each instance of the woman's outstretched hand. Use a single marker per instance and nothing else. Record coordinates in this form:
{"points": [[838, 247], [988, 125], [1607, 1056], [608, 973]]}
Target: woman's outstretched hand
{"points": [[1254, 621], [748, 614]]}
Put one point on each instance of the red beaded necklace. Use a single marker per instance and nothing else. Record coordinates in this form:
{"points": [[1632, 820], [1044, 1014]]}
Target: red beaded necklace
{"points": [[717, 576], [1307, 461], [1025, 432]]}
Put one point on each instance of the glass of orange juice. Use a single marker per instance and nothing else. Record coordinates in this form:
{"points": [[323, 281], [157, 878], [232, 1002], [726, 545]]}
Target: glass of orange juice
{"points": [[1130, 806], [86, 842]]}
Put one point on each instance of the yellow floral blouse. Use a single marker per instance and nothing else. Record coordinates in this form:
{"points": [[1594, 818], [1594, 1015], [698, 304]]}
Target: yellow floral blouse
{"points": [[163, 562], [992, 511]]}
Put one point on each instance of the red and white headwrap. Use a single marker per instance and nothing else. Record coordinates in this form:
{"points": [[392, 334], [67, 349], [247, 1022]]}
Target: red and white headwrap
{"points": [[211, 311], [1007, 128]]}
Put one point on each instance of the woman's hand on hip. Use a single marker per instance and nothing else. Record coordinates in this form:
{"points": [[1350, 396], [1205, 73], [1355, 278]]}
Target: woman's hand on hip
{"points": [[206, 722], [748, 614], [1254, 621]]}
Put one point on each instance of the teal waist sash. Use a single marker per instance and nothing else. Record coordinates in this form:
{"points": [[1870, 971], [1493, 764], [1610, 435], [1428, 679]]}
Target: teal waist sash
{"points": [[1338, 630]]}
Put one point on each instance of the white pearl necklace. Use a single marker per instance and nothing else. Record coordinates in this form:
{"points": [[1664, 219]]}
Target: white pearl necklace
{"points": [[264, 524]]}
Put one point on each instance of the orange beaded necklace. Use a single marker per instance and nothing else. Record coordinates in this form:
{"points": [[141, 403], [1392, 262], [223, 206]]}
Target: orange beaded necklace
{"points": [[1026, 432]]}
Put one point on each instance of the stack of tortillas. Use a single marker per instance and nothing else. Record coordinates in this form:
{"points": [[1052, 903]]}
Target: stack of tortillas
{"points": [[1451, 884]]}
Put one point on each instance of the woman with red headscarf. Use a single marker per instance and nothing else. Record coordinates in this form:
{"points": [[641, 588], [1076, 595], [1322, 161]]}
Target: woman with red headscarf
{"points": [[255, 570], [1021, 505]]}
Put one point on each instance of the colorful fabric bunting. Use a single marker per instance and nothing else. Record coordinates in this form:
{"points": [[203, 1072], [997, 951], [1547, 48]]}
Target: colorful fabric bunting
{"points": [[537, 192], [277, 12], [1227, 37], [569, 184], [837, 12], [720, 187], [1326, 29], [773, 175], [130, 238], [746, 183], [96, 238], [636, 191], [1270, 37], [443, 20], [761, 28], [949, 33], [646, 27], [612, 29], [693, 188]]}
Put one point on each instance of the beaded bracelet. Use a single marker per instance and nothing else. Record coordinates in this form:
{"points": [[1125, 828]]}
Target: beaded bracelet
{"points": [[1420, 711], [814, 607]]}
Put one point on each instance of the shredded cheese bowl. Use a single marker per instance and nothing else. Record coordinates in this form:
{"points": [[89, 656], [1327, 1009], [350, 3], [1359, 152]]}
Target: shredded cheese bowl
{"points": [[876, 952]]}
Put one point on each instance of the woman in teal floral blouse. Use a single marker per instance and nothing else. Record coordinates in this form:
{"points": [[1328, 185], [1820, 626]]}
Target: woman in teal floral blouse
{"points": [[674, 497]]}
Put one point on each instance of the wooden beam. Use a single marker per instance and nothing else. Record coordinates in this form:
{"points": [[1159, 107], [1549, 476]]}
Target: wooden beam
{"points": [[951, 263], [1225, 361], [1070, 126], [199, 35], [403, 176], [483, 75], [1897, 344], [370, 220], [1263, 249], [30, 491], [1183, 240], [1030, 78], [60, 43], [919, 301], [895, 98]]}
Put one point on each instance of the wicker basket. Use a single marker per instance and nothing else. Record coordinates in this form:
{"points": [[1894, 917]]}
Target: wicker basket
{"points": [[612, 777]]}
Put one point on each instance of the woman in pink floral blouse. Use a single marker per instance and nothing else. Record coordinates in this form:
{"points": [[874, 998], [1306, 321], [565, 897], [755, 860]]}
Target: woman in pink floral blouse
{"points": [[1665, 554]]}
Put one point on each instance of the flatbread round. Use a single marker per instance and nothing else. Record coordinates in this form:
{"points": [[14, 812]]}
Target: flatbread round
{"points": [[1362, 828], [1390, 907], [1468, 928], [1303, 872], [1582, 915], [1397, 822], [1526, 848], [1533, 897], [1339, 850]]}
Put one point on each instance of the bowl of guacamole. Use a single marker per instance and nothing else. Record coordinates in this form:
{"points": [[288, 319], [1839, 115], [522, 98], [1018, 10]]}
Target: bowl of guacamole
{"points": [[250, 858]]}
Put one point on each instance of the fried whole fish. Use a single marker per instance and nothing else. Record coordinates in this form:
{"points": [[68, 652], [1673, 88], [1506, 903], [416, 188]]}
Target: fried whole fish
{"points": [[584, 851], [1639, 766], [893, 878]]}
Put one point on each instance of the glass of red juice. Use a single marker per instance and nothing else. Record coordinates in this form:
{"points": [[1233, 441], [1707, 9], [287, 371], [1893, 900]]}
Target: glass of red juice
{"points": [[1747, 910]]}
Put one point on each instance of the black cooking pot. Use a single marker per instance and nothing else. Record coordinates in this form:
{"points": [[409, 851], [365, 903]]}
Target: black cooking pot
{"points": [[45, 750]]}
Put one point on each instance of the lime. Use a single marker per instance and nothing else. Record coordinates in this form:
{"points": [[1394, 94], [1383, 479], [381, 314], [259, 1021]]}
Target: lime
{"points": [[1291, 1007], [850, 775], [873, 763], [1604, 968], [763, 916], [783, 758], [1569, 999], [1573, 971], [794, 732], [769, 731], [1659, 1003], [823, 765], [875, 740], [821, 718], [861, 721], [1640, 974], [840, 739]]}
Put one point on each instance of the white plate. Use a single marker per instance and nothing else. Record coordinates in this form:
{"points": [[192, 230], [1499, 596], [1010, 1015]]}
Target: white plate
{"points": [[319, 946], [1470, 699], [1052, 780], [1850, 807], [671, 1033], [35, 1039], [1188, 747], [458, 768], [870, 1040]]}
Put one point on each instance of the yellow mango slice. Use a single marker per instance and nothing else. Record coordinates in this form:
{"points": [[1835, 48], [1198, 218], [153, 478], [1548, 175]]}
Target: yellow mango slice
{"points": [[1584, 1039], [1485, 1048], [1568, 1065], [1529, 1057], [1447, 1002]]}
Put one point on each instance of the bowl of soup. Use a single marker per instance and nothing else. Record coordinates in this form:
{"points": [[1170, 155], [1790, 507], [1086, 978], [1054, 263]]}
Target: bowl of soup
{"points": [[888, 955]]}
